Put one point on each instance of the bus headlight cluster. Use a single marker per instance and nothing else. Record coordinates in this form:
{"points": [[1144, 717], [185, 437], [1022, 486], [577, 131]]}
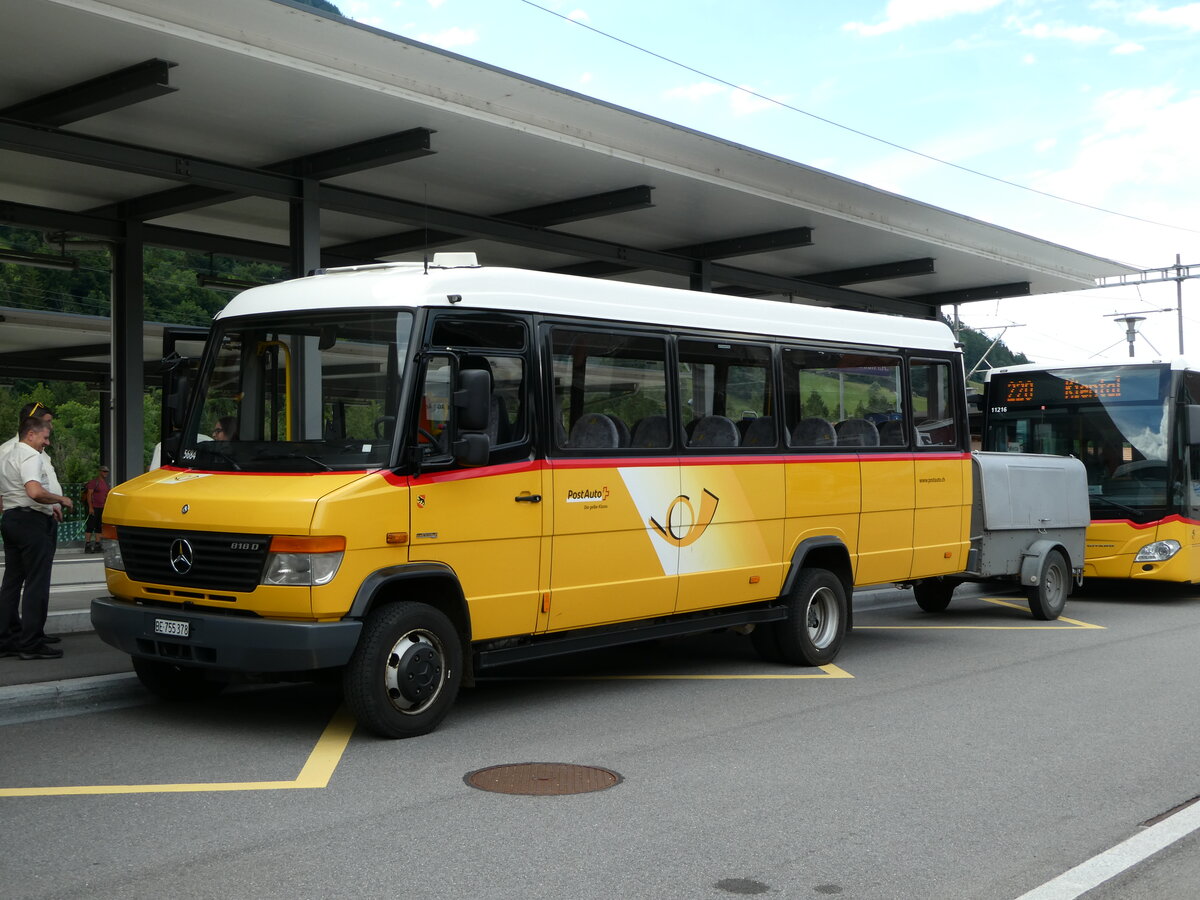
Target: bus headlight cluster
{"points": [[112, 548], [303, 560], [1159, 551]]}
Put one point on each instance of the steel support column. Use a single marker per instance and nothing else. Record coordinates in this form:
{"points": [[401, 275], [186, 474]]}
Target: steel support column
{"points": [[128, 375]]}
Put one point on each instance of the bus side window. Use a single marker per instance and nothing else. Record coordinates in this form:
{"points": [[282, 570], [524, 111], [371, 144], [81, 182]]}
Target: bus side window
{"points": [[725, 389], [933, 403], [610, 391], [842, 399]]}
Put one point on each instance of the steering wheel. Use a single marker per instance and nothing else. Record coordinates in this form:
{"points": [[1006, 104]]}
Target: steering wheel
{"points": [[380, 422]]}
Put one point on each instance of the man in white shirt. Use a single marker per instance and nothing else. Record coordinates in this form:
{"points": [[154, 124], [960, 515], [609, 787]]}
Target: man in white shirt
{"points": [[46, 414], [29, 526]]}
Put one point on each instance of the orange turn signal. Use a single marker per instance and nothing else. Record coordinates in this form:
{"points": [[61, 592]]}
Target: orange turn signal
{"points": [[397, 537], [108, 531], [286, 543]]}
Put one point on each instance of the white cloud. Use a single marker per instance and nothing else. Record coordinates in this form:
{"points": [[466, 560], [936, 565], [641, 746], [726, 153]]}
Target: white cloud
{"points": [[1045, 145], [903, 13], [694, 93], [1080, 34], [451, 38], [1029, 59], [578, 15], [1176, 16], [744, 103], [1126, 48]]}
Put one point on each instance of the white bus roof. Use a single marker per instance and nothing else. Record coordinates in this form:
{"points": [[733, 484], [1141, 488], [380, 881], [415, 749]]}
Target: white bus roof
{"points": [[401, 285], [1177, 363]]}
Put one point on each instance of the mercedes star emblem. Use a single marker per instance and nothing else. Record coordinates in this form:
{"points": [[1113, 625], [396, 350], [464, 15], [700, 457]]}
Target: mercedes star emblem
{"points": [[181, 556]]}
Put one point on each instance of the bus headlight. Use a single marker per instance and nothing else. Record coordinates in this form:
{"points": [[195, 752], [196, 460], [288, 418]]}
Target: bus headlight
{"points": [[112, 548], [303, 560], [1159, 551]]}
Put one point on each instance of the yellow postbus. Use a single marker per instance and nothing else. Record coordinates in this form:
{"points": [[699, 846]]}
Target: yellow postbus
{"points": [[423, 472], [1136, 427]]}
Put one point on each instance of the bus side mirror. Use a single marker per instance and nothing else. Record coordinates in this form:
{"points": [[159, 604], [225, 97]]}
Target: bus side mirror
{"points": [[472, 449], [1193, 425], [473, 399]]}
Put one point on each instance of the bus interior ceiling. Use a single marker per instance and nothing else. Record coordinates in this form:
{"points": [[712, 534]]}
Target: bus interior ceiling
{"points": [[277, 132]]}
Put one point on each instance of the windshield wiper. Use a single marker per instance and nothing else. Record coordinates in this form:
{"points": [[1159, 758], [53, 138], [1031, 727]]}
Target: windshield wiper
{"points": [[264, 455], [1120, 506]]}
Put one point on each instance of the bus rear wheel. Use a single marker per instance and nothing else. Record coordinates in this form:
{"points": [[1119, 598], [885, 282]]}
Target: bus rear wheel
{"points": [[172, 682], [405, 672], [1049, 596], [933, 594], [813, 632]]}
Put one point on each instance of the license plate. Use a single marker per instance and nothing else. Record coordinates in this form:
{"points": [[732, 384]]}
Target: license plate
{"points": [[172, 627]]}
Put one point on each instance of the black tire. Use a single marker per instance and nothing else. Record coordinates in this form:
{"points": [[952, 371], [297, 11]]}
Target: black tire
{"points": [[172, 682], [405, 672], [815, 627], [933, 594], [1049, 596]]}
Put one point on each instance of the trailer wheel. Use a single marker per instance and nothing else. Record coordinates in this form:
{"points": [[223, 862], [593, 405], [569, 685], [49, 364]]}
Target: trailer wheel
{"points": [[933, 594], [405, 672], [1048, 597], [813, 632], [172, 682]]}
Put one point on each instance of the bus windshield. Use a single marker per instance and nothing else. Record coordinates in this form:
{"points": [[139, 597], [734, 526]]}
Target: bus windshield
{"points": [[1113, 418], [299, 393]]}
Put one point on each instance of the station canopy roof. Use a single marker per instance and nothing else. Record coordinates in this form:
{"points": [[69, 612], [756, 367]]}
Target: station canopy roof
{"points": [[207, 121]]}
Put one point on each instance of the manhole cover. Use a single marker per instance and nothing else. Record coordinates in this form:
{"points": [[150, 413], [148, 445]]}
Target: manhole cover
{"points": [[542, 779]]}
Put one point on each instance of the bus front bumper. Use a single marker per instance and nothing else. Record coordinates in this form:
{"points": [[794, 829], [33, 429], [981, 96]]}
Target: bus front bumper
{"points": [[215, 641]]}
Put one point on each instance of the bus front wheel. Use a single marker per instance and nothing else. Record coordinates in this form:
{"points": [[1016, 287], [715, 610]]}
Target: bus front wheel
{"points": [[1049, 596], [813, 632], [405, 672]]}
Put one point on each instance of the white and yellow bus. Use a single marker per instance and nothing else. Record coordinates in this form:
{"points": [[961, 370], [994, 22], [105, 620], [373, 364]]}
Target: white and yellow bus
{"points": [[1136, 427], [424, 472]]}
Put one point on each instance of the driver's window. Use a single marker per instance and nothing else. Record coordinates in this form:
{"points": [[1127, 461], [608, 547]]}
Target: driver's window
{"points": [[435, 407]]}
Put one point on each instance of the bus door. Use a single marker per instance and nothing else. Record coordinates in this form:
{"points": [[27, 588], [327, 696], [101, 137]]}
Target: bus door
{"points": [[486, 523], [870, 400], [615, 476], [942, 518], [728, 518]]}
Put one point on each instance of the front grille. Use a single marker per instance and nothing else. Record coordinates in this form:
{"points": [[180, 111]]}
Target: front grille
{"points": [[219, 561]]}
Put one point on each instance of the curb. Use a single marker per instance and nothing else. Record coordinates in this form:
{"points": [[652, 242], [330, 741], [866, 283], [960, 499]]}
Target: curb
{"points": [[69, 697]]}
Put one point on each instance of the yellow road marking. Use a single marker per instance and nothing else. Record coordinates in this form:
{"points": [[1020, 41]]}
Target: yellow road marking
{"points": [[829, 671], [316, 773], [1072, 624]]}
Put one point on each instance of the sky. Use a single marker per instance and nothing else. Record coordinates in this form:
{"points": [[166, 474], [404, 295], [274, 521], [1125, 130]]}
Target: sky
{"points": [[1019, 103]]}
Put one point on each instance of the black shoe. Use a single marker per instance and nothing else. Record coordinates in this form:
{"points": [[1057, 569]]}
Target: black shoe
{"points": [[51, 639], [42, 651]]}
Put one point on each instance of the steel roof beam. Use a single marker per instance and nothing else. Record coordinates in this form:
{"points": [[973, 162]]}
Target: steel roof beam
{"points": [[413, 143], [766, 242], [105, 93], [880, 272], [969, 295], [545, 215]]}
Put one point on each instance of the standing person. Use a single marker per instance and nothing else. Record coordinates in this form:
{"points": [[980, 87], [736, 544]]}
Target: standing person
{"points": [[46, 414], [95, 492], [29, 526]]}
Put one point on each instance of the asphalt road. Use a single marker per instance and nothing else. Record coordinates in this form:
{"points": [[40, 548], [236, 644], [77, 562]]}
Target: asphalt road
{"points": [[972, 754]]}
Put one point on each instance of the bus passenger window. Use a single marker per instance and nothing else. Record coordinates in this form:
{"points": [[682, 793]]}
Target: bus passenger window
{"points": [[933, 404], [725, 388], [610, 391], [837, 398]]}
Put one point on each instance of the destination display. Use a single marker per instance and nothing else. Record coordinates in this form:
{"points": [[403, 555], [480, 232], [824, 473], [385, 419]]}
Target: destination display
{"points": [[1019, 390]]}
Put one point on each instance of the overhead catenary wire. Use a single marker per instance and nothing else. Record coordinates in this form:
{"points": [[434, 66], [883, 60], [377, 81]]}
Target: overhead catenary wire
{"points": [[856, 131]]}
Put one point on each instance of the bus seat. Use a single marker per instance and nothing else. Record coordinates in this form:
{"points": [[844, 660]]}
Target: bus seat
{"points": [[891, 433], [593, 431], [714, 431], [760, 432], [623, 435], [857, 433], [652, 431], [814, 432]]}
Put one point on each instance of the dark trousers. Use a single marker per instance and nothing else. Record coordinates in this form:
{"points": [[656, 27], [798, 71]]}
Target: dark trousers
{"points": [[30, 539]]}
